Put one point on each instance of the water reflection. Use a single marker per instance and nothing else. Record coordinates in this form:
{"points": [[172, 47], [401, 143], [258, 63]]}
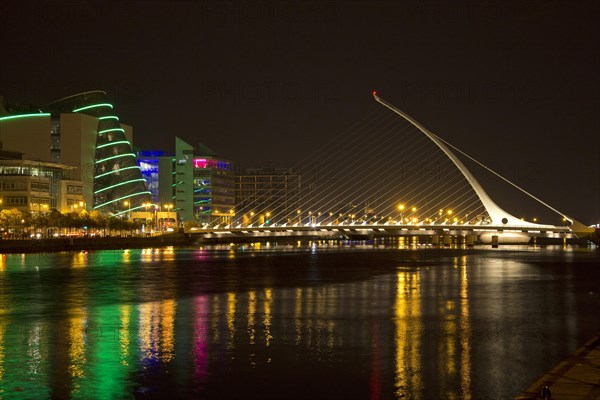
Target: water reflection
{"points": [[408, 334], [465, 329], [200, 346], [204, 323]]}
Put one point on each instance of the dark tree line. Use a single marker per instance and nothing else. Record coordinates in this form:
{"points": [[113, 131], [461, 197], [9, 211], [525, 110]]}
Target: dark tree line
{"points": [[16, 221]]}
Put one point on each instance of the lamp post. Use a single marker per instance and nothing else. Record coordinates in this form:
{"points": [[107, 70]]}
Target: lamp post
{"points": [[401, 208], [128, 205], [146, 205], [169, 207]]}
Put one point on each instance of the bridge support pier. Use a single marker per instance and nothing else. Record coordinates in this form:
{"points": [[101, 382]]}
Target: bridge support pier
{"points": [[435, 240], [495, 241], [470, 239], [447, 240]]}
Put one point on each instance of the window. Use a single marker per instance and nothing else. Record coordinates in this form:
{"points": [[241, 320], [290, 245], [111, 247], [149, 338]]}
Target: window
{"points": [[16, 200], [40, 186], [14, 186], [74, 189]]}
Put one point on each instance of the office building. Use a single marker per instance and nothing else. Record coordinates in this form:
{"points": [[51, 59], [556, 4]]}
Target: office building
{"points": [[84, 132], [199, 184], [37, 186], [267, 195]]}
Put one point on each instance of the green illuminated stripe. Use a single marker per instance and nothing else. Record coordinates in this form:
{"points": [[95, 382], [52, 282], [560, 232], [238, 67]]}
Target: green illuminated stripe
{"points": [[109, 117], [112, 130], [116, 170], [119, 184], [126, 211], [112, 143], [122, 198], [93, 106], [24, 116], [113, 157]]}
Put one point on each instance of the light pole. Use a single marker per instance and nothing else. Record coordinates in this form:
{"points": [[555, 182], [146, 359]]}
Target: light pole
{"points": [[128, 205], [401, 208]]}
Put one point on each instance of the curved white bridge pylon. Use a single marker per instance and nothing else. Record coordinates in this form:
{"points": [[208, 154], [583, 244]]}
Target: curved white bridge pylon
{"points": [[497, 215]]}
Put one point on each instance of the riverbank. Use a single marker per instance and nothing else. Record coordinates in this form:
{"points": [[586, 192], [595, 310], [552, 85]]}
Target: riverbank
{"points": [[97, 243], [575, 378]]}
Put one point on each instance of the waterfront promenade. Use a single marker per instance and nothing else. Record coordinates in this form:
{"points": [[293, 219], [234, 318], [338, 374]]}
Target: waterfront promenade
{"points": [[575, 378], [95, 243]]}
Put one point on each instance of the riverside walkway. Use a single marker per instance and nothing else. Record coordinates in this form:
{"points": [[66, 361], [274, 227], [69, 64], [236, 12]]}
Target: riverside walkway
{"points": [[575, 378]]}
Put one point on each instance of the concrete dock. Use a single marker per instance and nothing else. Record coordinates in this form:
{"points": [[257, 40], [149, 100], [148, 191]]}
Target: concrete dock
{"points": [[575, 378]]}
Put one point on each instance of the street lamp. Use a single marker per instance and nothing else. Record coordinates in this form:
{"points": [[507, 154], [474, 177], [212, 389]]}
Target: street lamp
{"points": [[127, 204], [401, 208]]}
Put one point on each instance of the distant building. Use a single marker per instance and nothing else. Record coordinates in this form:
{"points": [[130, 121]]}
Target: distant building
{"points": [[83, 132], [267, 195]]}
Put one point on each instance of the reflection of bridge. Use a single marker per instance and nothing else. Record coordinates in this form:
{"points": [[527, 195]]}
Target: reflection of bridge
{"points": [[451, 205]]}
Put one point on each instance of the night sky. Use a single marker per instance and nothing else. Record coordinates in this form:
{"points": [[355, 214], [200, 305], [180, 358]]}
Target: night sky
{"points": [[514, 84]]}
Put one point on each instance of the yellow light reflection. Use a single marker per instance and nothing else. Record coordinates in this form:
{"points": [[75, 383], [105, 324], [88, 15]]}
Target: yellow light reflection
{"points": [[465, 329], [298, 316], [148, 321], [251, 316], [408, 334], [231, 300], [124, 333], [168, 254], [267, 316], [34, 349], [146, 256], [2, 329], [214, 323], [77, 346], [450, 353], [80, 260], [167, 322], [126, 257]]}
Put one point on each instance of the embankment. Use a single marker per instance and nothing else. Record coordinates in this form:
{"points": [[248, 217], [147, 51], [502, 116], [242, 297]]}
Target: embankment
{"points": [[97, 243]]}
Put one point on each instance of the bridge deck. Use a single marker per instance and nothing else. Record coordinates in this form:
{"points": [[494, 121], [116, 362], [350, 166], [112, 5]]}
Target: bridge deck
{"points": [[395, 229]]}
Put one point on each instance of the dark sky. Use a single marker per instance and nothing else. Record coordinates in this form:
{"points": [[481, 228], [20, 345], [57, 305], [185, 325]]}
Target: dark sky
{"points": [[515, 84]]}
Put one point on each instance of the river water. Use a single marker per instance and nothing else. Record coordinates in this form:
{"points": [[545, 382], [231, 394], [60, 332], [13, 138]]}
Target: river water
{"points": [[309, 321]]}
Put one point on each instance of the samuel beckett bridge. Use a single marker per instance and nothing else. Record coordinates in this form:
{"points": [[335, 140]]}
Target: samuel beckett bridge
{"points": [[388, 176]]}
